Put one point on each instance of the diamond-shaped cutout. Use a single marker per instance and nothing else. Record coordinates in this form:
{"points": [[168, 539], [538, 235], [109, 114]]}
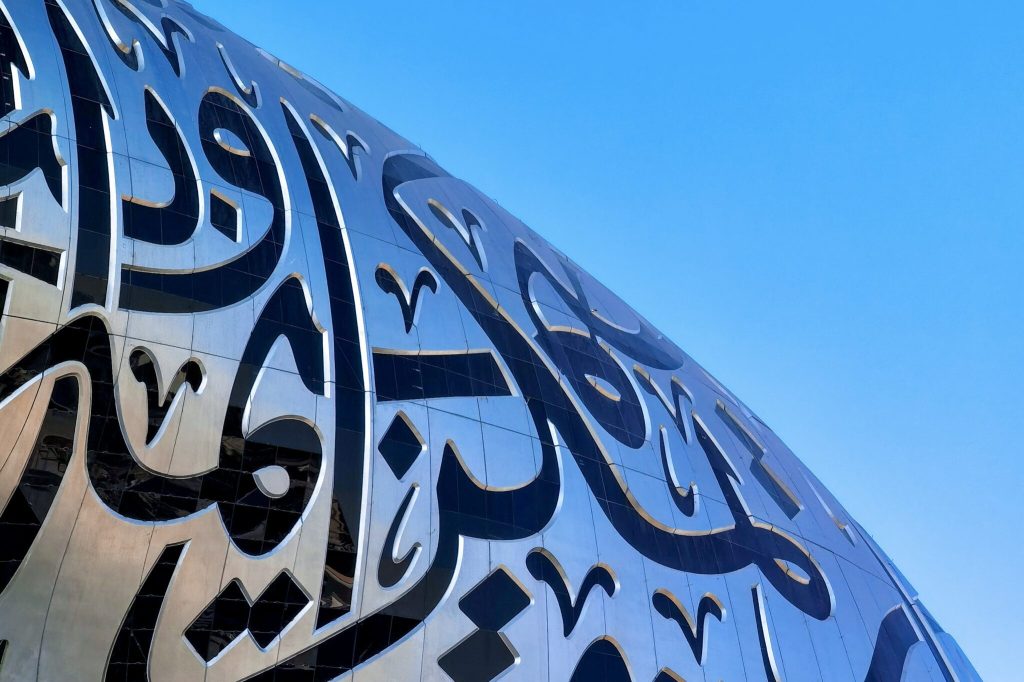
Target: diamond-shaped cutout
{"points": [[231, 614], [482, 656], [401, 445], [495, 601]]}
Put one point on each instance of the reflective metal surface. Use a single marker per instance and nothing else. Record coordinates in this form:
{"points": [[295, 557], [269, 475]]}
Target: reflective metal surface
{"points": [[284, 400]]}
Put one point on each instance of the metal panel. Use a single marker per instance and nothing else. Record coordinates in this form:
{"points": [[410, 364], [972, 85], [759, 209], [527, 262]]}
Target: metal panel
{"points": [[282, 399]]}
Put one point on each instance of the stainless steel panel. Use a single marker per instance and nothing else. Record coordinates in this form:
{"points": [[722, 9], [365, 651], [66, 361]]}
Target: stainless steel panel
{"points": [[282, 399]]}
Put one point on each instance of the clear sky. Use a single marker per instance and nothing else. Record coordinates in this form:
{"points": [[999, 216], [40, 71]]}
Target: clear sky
{"points": [[823, 204]]}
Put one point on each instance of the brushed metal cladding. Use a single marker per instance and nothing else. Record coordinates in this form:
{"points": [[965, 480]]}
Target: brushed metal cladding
{"points": [[284, 400]]}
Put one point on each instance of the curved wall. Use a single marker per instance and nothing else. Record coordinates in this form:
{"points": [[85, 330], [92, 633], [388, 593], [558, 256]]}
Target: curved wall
{"points": [[282, 399]]}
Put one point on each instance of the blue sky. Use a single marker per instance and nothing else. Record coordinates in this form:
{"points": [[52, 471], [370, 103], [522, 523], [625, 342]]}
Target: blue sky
{"points": [[822, 204]]}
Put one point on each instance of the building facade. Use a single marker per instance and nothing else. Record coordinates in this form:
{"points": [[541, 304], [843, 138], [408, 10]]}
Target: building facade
{"points": [[282, 399]]}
